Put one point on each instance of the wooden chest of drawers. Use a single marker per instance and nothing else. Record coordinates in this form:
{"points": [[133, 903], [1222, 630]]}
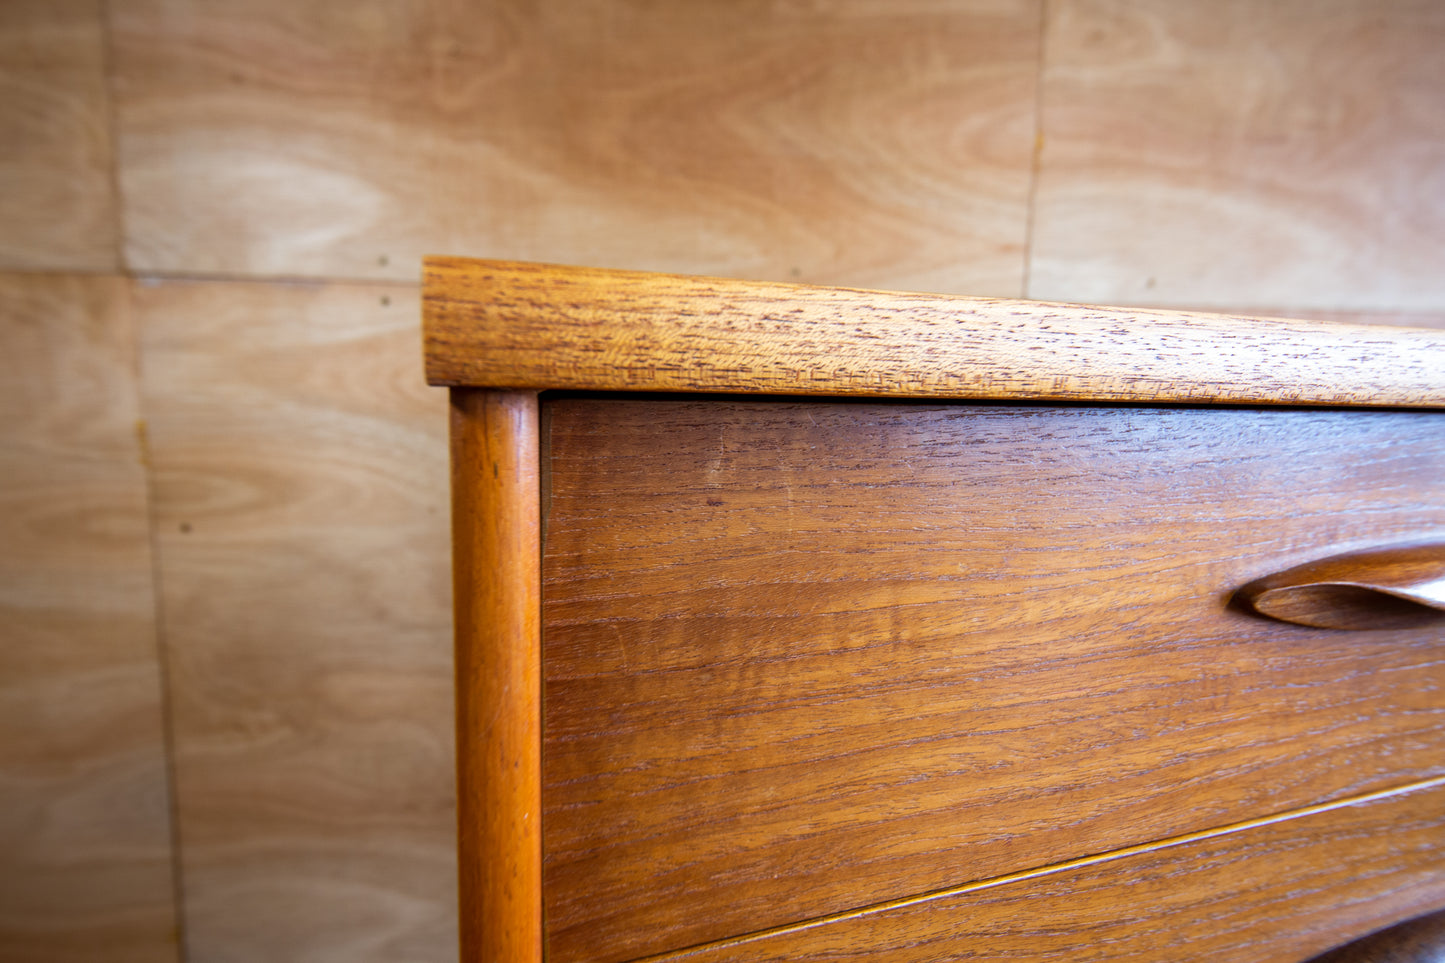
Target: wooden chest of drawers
{"points": [[798, 623]]}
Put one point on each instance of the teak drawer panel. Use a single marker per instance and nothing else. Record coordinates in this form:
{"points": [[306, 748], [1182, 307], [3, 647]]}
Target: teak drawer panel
{"points": [[800, 657], [1278, 892]]}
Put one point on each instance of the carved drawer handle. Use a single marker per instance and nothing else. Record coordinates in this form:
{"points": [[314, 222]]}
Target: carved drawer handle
{"points": [[1383, 588], [1421, 940]]}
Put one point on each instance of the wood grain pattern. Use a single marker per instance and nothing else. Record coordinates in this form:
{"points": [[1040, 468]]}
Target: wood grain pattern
{"points": [[1387, 587], [496, 550], [300, 481], [1275, 892], [801, 657], [56, 199], [1414, 941], [1399, 319], [510, 325], [1234, 153], [85, 847], [860, 141]]}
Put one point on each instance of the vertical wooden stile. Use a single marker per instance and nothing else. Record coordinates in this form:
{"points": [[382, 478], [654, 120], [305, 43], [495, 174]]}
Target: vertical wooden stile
{"points": [[497, 583]]}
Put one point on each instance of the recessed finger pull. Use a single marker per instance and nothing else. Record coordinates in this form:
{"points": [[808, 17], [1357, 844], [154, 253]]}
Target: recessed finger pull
{"points": [[1421, 940], [1397, 587]]}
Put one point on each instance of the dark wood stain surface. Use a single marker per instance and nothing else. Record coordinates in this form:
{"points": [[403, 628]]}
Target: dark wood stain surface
{"points": [[1276, 893], [1401, 584], [1413, 941], [800, 657]]}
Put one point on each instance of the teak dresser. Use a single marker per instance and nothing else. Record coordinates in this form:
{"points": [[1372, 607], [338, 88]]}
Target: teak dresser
{"points": [[798, 623]]}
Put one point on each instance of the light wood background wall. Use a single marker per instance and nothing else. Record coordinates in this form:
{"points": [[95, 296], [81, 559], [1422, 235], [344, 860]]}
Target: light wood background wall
{"points": [[225, 709]]}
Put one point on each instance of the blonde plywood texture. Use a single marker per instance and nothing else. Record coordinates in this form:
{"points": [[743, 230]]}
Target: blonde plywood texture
{"points": [[301, 490], [85, 861], [865, 142], [1266, 158], [1242, 152], [56, 202]]}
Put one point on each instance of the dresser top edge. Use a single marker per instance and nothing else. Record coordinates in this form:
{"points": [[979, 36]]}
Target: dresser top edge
{"points": [[522, 326]]}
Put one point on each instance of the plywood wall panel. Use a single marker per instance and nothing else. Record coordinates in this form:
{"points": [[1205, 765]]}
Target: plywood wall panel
{"points": [[301, 509], [1234, 153], [865, 142], [57, 209], [85, 856]]}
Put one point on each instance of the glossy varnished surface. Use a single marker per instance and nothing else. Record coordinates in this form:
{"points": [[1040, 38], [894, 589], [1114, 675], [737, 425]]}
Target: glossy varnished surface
{"points": [[1276, 892], [860, 142], [801, 657], [502, 324], [496, 551], [1398, 586], [1419, 940]]}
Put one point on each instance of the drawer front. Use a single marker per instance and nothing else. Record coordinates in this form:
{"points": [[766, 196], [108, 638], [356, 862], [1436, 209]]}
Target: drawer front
{"points": [[1285, 891], [802, 657]]}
